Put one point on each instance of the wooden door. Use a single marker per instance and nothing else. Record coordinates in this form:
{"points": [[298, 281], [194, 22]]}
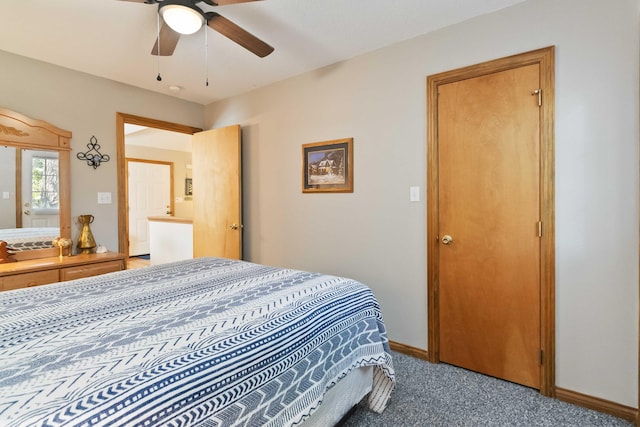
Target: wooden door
{"points": [[489, 206], [149, 194], [217, 193]]}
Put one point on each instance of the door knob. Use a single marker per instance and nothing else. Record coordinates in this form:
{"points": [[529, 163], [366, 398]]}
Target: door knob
{"points": [[235, 226], [447, 240]]}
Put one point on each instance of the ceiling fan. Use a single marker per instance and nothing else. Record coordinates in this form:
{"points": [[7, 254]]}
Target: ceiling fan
{"points": [[185, 17]]}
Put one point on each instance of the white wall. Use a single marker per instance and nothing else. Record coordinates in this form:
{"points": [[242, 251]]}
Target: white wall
{"points": [[377, 236], [86, 106]]}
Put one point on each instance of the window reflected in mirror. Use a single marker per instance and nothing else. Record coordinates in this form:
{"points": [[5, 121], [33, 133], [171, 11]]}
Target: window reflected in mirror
{"points": [[44, 182]]}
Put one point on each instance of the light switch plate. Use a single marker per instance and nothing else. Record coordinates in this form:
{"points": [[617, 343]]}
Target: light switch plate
{"points": [[414, 194], [5, 194], [104, 198]]}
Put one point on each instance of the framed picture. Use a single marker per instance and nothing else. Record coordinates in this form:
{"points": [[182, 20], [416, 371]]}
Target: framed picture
{"points": [[327, 167], [188, 186]]}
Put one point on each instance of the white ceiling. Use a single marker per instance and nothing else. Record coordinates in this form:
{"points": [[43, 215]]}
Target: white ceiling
{"points": [[113, 38]]}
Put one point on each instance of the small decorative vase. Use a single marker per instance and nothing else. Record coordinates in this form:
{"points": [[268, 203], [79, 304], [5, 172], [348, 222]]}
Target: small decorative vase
{"points": [[86, 242]]}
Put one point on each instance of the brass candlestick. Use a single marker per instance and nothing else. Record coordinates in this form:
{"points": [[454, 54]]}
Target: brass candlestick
{"points": [[62, 243]]}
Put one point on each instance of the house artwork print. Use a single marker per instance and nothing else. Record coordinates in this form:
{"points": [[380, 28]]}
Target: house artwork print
{"points": [[328, 166]]}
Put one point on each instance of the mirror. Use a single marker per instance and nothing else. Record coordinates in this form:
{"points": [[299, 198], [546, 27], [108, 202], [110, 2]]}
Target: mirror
{"points": [[34, 185], [29, 198]]}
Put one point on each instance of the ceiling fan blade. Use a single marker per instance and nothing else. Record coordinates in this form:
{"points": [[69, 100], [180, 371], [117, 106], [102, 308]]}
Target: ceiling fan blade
{"points": [[223, 2], [237, 34], [168, 41]]}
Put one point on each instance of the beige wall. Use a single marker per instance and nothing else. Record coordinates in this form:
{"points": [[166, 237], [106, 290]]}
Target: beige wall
{"points": [[377, 235], [86, 106]]}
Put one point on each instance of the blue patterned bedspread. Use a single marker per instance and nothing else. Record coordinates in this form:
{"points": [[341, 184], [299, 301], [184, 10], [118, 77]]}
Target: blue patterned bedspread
{"points": [[204, 342]]}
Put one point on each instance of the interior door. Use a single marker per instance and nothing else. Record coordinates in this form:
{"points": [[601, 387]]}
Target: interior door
{"points": [[217, 193], [488, 222], [149, 194]]}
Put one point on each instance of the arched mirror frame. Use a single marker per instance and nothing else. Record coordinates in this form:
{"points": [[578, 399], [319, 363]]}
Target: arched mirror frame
{"points": [[18, 130]]}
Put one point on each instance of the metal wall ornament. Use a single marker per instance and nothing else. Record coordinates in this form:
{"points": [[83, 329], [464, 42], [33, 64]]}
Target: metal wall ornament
{"points": [[93, 156]]}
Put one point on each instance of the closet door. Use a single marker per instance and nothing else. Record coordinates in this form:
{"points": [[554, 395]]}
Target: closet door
{"points": [[490, 224], [217, 193]]}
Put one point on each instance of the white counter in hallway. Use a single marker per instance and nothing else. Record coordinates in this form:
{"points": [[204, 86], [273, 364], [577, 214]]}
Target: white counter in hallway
{"points": [[170, 239]]}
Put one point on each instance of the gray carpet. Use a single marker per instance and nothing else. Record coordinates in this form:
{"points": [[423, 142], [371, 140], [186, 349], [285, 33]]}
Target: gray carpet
{"points": [[442, 395]]}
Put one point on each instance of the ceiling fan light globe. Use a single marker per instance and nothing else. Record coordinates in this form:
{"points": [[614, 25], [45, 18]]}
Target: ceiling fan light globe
{"points": [[182, 19]]}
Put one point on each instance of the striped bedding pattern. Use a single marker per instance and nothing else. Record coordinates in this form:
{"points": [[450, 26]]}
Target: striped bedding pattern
{"points": [[203, 342]]}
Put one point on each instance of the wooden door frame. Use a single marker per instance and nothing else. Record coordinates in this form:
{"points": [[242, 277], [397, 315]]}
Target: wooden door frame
{"points": [[121, 119], [545, 58]]}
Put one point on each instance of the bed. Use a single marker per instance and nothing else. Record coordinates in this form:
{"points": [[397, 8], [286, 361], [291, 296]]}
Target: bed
{"points": [[26, 239], [202, 342]]}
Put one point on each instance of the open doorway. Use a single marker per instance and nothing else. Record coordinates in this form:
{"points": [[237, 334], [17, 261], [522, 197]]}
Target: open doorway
{"points": [[123, 119]]}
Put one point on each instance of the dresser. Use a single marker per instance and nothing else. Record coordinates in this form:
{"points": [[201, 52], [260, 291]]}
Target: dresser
{"points": [[24, 274]]}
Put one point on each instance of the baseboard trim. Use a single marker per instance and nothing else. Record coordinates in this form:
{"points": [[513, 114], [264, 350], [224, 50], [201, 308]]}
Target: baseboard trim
{"points": [[416, 352], [601, 405]]}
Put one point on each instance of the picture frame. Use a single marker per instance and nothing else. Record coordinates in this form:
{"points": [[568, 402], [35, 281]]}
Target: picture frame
{"points": [[188, 186], [327, 167]]}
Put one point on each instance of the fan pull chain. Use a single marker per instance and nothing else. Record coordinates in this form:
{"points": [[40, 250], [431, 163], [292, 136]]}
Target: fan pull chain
{"points": [[206, 56], [159, 78]]}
